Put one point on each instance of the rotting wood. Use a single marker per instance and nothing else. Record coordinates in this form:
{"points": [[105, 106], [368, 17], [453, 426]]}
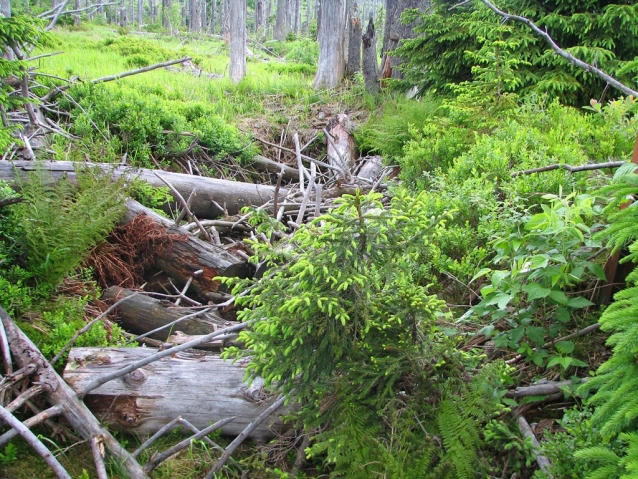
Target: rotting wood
{"points": [[569, 168], [181, 259], [35, 443], [245, 434], [262, 163], [141, 314], [200, 387], [208, 191], [341, 149], [157, 459], [56, 91]]}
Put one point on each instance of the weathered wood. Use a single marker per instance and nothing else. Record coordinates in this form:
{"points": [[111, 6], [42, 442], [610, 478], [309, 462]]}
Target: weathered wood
{"points": [[141, 314], [541, 389], [233, 195], [181, 259], [200, 387], [59, 393], [341, 149], [371, 168], [271, 166], [370, 67]]}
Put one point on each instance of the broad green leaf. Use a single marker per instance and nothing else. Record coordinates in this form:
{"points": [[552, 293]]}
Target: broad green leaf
{"points": [[498, 277], [516, 334], [562, 315], [536, 291], [564, 347], [597, 271], [537, 261], [536, 334], [500, 299], [579, 302], [559, 297]]}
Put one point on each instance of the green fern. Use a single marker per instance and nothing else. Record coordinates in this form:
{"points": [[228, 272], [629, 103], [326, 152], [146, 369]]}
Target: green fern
{"points": [[63, 221]]}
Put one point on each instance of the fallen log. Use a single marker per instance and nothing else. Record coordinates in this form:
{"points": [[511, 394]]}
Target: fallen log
{"points": [[183, 259], [57, 392], [209, 192], [200, 387], [141, 314]]}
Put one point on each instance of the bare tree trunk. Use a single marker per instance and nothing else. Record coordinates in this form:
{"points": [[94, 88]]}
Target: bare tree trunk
{"points": [[193, 16], [331, 35], [225, 18], [203, 15], [166, 10], [280, 22], [213, 11], [395, 31], [260, 16], [140, 13], [370, 68], [237, 40], [354, 40], [297, 23]]}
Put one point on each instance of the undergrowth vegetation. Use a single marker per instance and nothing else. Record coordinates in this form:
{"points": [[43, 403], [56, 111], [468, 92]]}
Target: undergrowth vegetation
{"points": [[43, 241], [394, 323]]}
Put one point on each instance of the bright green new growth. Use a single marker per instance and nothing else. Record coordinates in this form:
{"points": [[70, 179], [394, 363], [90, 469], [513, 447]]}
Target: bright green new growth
{"points": [[616, 381], [348, 324]]}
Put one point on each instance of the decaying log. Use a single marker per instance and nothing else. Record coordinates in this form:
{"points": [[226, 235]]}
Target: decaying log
{"points": [[370, 67], [266, 164], [371, 168], [59, 393], [141, 314], [182, 259], [200, 387], [233, 195], [341, 148]]}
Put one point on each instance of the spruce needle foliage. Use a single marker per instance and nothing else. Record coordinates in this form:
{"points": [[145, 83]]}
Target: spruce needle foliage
{"points": [[347, 328], [616, 381]]}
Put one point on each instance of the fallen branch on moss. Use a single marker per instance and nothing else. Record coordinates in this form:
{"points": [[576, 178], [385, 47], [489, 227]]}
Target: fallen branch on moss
{"points": [[571, 169], [56, 91]]}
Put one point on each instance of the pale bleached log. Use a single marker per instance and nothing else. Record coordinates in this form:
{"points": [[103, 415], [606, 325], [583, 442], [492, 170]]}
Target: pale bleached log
{"points": [[234, 195], [141, 314], [202, 388], [371, 168]]}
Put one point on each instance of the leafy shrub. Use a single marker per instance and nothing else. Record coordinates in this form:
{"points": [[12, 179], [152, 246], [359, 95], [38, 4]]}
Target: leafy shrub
{"points": [[144, 122], [291, 68], [541, 258], [305, 52], [137, 60]]}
